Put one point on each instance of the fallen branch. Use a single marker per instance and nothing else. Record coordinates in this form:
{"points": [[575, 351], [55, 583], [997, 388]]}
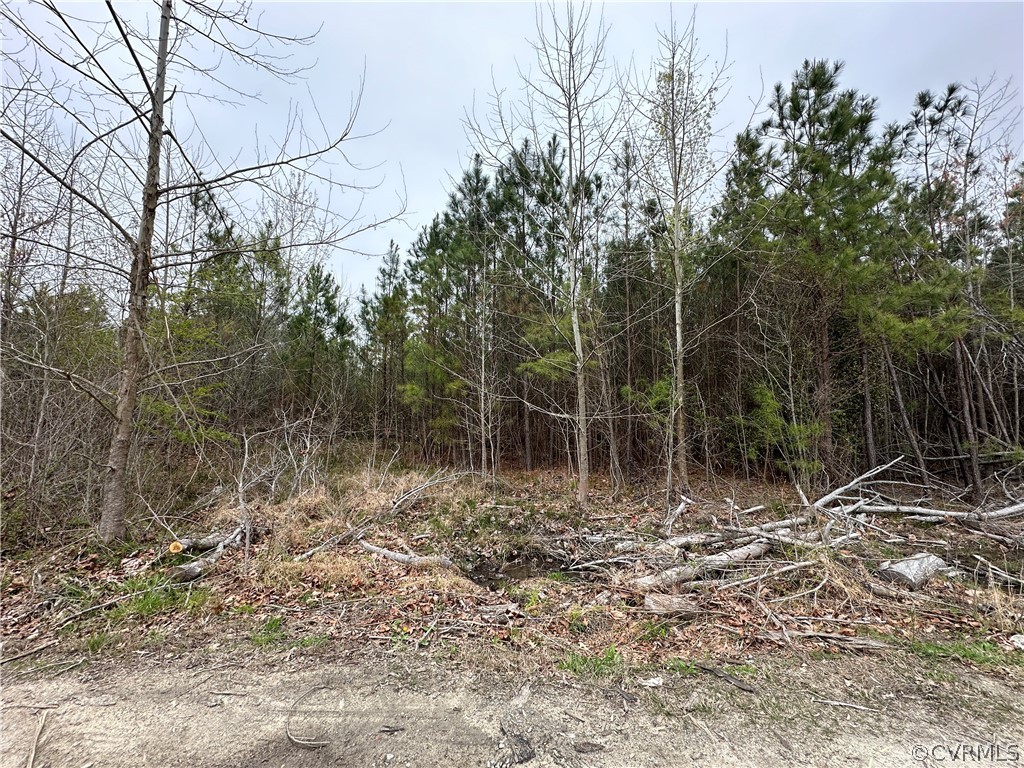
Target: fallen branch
{"points": [[828, 498], [201, 566], [764, 576], [107, 604], [671, 605], [29, 652], [671, 517], [416, 561], [833, 703], [852, 642], [200, 544], [331, 542], [721, 673], [927, 514], [674, 576], [735, 536], [999, 575]]}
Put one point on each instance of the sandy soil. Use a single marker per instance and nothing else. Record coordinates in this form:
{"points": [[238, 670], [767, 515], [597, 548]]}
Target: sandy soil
{"points": [[197, 710]]}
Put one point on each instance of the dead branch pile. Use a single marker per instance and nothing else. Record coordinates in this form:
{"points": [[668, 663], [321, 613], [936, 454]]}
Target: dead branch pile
{"points": [[838, 518]]}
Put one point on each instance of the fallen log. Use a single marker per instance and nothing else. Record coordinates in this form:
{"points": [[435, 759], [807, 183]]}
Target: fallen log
{"points": [[197, 544], [914, 571], [927, 514], [688, 572], [199, 567], [416, 561]]}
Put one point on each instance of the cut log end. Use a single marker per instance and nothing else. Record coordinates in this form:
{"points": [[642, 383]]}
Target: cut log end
{"points": [[912, 572]]}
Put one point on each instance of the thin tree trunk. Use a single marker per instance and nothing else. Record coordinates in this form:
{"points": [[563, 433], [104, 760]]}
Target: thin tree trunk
{"points": [[614, 461], [869, 419], [970, 433], [113, 509], [527, 433], [582, 426], [904, 416], [823, 395], [680, 383]]}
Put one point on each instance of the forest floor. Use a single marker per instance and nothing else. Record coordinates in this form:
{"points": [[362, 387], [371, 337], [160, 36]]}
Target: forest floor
{"points": [[537, 643]]}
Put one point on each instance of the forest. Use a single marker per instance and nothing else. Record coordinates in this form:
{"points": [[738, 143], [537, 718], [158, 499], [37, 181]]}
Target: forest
{"points": [[665, 440], [605, 292]]}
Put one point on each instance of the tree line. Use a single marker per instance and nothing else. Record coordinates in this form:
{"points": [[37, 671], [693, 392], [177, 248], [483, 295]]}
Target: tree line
{"points": [[605, 290]]}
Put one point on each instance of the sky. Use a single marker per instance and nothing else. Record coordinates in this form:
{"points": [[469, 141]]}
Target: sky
{"points": [[427, 64]]}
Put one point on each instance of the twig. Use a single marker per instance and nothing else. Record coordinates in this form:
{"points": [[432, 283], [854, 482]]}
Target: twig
{"points": [[304, 743], [721, 673], [763, 576], [23, 654], [833, 703], [107, 604], [35, 742]]}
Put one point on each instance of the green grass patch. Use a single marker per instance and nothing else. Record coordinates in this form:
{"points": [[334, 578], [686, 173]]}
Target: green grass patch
{"points": [[608, 663], [682, 667], [97, 642], [984, 653], [577, 620], [652, 630], [271, 633], [150, 596], [310, 641]]}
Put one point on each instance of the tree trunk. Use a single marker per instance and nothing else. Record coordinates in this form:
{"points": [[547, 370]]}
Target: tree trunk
{"points": [[527, 433], [823, 395], [614, 461], [869, 419], [112, 515], [969, 430], [582, 426], [904, 416], [680, 383]]}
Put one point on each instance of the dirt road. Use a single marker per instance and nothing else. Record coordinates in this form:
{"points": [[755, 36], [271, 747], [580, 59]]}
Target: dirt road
{"points": [[407, 711]]}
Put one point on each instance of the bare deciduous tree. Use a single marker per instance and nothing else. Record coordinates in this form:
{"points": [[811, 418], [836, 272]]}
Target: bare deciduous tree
{"points": [[137, 166]]}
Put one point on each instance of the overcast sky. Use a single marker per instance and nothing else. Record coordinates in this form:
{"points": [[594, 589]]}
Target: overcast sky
{"points": [[426, 63]]}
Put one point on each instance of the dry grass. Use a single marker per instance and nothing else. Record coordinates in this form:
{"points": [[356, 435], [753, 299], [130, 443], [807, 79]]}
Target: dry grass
{"points": [[327, 570]]}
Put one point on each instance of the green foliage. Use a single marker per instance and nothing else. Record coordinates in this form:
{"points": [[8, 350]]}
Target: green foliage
{"points": [[271, 633], [775, 439], [154, 595], [682, 667], [984, 653], [605, 665], [653, 630], [96, 642]]}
